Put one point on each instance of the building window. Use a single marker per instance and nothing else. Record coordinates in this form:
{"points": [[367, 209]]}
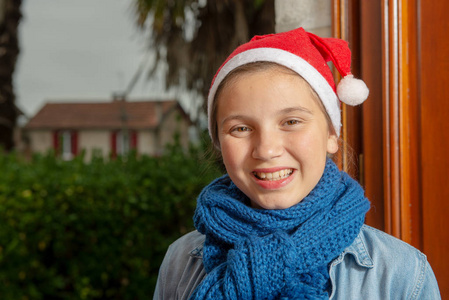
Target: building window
{"points": [[122, 141], [66, 144]]}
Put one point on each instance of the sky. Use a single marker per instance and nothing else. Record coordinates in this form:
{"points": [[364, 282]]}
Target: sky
{"points": [[78, 50]]}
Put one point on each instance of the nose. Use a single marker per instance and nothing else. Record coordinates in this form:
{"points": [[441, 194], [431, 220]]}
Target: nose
{"points": [[267, 145]]}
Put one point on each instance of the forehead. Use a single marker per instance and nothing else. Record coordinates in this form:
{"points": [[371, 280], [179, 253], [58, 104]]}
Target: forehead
{"points": [[266, 93], [245, 71], [277, 82]]}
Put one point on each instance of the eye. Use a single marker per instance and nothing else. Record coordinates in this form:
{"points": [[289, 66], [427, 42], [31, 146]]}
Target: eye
{"points": [[240, 129], [292, 122]]}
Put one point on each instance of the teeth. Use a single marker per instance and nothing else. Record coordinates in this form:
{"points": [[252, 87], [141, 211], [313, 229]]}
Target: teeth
{"points": [[275, 175]]}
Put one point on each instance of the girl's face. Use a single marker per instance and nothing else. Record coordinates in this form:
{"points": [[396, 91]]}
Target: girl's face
{"points": [[274, 137]]}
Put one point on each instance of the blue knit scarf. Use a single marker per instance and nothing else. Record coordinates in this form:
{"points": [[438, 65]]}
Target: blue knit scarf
{"points": [[276, 254]]}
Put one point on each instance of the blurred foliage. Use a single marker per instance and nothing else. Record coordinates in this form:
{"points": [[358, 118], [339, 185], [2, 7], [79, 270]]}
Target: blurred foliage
{"points": [[194, 37], [98, 230], [10, 16]]}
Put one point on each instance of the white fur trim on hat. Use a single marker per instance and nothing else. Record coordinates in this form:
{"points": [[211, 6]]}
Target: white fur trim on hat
{"points": [[291, 61]]}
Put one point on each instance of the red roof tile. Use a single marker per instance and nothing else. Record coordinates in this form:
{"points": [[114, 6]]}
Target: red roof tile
{"points": [[102, 115]]}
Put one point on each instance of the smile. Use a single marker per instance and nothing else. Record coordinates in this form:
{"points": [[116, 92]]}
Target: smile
{"points": [[282, 174]]}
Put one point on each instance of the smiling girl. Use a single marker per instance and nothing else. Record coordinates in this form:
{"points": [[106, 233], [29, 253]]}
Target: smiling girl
{"points": [[285, 223]]}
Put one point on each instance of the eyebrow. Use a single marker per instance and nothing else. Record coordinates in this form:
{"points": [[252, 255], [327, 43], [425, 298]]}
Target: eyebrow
{"points": [[281, 112], [234, 117], [294, 109]]}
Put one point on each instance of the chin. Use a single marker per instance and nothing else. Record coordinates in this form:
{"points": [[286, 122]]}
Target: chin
{"points": [[273, 205]]}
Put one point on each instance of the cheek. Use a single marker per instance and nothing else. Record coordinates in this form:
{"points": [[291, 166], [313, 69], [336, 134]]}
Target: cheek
{"points": [[311, 145], [231, 157]]}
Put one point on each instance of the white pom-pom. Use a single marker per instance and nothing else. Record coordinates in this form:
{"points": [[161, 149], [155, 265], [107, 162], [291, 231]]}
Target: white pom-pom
{"points": [[352, 91]]}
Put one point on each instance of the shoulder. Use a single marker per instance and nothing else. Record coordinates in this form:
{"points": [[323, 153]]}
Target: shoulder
{"points": [[182, 268], [384, 247], [187, 243], [398, 260], [380, 266]]}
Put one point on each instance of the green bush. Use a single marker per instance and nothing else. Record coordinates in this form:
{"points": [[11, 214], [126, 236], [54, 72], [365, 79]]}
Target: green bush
{"points": [[71, 230]]}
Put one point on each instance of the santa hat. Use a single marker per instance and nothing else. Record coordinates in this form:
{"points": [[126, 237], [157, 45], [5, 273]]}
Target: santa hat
{"points": [[307, 55]]}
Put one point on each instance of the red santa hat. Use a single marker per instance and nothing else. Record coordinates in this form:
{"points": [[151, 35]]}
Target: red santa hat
{"points": [[307, 55]]}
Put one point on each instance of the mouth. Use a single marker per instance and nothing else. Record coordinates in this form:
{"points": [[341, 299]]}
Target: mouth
{"points": [[273, 176]]}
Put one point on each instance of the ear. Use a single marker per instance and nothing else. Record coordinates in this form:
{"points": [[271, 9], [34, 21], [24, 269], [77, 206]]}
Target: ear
{"points": [[332, 144]]}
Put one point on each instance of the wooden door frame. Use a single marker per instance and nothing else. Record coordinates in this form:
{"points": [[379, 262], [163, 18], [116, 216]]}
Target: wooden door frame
{"points": [[384, 54], [401, 120]]}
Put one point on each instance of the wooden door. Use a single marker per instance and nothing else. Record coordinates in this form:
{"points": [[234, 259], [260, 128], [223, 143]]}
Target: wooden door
{"points": [[432, 74], [401, 133]]}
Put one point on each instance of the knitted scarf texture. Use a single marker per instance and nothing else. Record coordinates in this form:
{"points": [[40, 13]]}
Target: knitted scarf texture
{"points": [[276, 254]]}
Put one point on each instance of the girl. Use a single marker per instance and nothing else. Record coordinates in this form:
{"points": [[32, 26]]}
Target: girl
{"points": [[285, 223]]}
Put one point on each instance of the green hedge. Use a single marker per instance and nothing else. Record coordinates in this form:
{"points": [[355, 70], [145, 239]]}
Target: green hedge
{"points": [[71, 230]]}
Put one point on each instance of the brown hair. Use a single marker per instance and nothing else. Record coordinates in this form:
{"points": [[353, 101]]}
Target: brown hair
{"points": [[253, 68]]}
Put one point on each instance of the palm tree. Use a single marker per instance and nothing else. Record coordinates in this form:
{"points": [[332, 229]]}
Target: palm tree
{"points": [[193, 37], [9, 21]]}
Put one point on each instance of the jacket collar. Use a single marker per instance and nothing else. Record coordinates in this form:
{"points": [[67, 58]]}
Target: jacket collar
{"points": [[197, 252], [359, 251]]}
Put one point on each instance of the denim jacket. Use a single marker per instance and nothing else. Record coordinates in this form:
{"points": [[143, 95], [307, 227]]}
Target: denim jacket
{"points": [[376, 266]]}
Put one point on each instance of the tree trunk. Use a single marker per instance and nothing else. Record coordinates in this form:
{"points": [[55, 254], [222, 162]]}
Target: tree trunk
{"points": [[9, 49], [240, 23]]}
